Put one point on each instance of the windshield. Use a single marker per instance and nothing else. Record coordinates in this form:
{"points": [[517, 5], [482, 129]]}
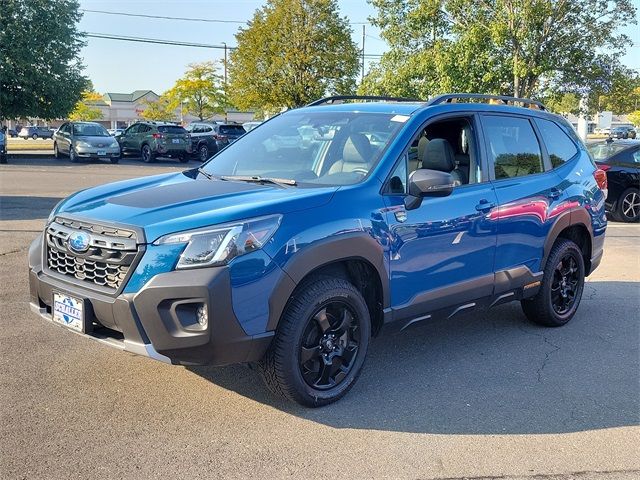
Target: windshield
{"points": [[232, 129], [602, 151], [89, 130], [325, 148], [171, 129]]}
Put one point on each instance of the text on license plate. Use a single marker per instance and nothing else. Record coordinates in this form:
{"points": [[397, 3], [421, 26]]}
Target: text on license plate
{"points": [[68, 311], [102, 153], [176, 140]]}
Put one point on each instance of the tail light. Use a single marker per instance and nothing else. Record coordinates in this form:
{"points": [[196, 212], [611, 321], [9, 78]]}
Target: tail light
{"points": [[601, 178], [158, 135]]}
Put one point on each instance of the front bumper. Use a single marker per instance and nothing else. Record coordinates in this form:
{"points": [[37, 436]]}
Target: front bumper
{"points": [[95, 152], [158, 321]]}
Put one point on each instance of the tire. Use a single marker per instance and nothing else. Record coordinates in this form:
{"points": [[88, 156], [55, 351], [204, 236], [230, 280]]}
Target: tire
{"points": [[114, 160], [203, 153], [73, 158], [184, 158], [34, 136], [562, 284], [326, 320], [147, 154], [628, 206], [56, 153]]}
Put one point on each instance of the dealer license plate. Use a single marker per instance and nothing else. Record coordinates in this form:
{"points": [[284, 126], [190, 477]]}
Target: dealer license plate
{"points": [[68, 311]]}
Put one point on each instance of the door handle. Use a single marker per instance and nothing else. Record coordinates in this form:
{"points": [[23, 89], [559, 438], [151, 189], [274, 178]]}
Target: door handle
{"points": [[485, 205], [554, 193]]}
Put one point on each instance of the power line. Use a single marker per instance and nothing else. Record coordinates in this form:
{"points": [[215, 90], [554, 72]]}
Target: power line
{"points": [[183, 19], [176, 43]]}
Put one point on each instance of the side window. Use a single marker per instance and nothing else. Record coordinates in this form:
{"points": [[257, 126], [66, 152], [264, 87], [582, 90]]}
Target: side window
{"points": [[133, 129], [630, 157], [513, 146], [558, 144], [398, 180], [144, 129]]}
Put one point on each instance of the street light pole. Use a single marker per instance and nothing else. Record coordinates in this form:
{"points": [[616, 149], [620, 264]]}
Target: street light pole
{"points": [[225, 82]]}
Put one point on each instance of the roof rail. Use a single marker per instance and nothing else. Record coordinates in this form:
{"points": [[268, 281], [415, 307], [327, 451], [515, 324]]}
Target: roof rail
{"points": [[451, 97], [342, 98]]}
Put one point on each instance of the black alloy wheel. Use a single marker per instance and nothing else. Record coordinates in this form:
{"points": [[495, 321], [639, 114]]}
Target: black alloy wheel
{"points": [[203, 153], [330, 345], [629, 208], [320, 344], [564, 286]]}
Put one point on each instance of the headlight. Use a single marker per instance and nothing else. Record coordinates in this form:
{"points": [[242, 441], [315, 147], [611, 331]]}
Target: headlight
{"points": [[80, 143], [212, 246]]}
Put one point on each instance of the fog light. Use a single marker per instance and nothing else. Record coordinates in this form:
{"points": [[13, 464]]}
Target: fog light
{"points": [[202, 315]]}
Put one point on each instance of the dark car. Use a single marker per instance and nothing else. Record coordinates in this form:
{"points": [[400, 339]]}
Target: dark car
{"points": [[3, 147], [12, 133], [293, 256], [621, 161], [208, 138], [623, 133], [151, 140], [35, 132]]}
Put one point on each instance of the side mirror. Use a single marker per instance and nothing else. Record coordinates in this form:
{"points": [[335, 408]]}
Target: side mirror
{"points": [[427, 183]]}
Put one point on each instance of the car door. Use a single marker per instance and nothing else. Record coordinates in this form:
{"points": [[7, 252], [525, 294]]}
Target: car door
{"points": [[528, 192], [441, 254], [61, 139], [127, 137]]}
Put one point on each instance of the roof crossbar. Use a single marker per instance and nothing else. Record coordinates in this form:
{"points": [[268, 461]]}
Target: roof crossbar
{"points": [[372, 98], [451, 97]]}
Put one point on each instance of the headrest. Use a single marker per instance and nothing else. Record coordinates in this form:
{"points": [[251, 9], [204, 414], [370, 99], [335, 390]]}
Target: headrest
{"points": [[439, 156], [422, 146], [357, 149]]}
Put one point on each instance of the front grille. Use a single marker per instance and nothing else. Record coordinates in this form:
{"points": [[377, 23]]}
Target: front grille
{"points": [[105, 263]]}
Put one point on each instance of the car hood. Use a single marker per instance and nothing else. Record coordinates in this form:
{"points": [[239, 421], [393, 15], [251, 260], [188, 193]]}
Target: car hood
{"points": [[175, 202]]}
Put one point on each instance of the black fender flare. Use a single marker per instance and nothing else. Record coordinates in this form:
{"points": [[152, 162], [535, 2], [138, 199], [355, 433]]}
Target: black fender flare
{"points": [[570, 218], [349, 246]]}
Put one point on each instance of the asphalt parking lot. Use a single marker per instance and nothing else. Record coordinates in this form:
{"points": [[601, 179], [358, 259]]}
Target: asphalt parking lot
{"points": [[480, 396]]}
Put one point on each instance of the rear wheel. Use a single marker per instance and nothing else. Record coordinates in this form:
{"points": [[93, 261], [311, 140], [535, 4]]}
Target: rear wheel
{"points": [[628, 206], [147, 154], [321, 343], [559, 296], [184, 158], [34, 136]]}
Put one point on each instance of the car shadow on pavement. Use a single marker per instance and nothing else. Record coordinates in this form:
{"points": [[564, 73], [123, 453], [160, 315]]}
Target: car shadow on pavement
{"points": [[26, 208], [493, 373], [48, 160]]}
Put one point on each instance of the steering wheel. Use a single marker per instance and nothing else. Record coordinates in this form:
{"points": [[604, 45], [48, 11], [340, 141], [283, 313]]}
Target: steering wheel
{"points": [[361, 170]]}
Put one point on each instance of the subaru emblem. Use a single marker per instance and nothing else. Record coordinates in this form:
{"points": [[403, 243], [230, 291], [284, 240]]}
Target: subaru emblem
{"points": [[79, 241]]}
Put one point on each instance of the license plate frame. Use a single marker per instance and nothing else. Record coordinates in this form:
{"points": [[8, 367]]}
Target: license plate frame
{"points": [[102, 153], [69, 311], [175, 140]]}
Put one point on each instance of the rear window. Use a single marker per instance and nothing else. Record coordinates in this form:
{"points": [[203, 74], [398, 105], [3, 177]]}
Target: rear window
{"points": [[602, 151], [559, 145], [232, 129], [175, 129]]}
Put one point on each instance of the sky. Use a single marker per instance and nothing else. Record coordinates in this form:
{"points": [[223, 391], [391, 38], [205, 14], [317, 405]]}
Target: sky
{"points": [[117, 66]]}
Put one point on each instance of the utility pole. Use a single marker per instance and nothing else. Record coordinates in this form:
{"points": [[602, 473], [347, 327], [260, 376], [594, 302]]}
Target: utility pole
{"points": [[226, 119], [363, 36]]}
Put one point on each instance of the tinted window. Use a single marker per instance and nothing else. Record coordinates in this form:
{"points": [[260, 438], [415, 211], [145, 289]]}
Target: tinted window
{"points": [[232, 129], [630, 157], [171, 129], [559, 145], [513, 146]]}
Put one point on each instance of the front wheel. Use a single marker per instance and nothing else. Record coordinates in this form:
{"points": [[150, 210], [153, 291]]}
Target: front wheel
{"points": [[114, 160], [184, 158], [559, 296], [34, 136], [56, 152], [147, 154], [73, 157], [203, 153], [321, 343]]}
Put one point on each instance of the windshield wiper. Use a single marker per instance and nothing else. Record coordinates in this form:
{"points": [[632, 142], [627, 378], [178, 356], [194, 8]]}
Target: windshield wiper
{"points": [[258, 179], [207, 175]]}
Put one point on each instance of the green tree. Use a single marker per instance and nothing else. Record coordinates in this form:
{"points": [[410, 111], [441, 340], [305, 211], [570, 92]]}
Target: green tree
{"points": [[40, 72], [634, 117], [621, 95], [564, 103], [85, 109], [514, 47], [162, 110], [292, 52], [200, 91]]}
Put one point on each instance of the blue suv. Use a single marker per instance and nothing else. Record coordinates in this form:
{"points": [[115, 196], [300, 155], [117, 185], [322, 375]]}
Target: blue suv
{"points": [[324, 227]]}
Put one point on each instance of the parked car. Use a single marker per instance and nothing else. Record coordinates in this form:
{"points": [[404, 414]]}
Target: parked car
{"points": [[248, 126], [208, 138], [621, 161], [294, 258], [151, 140], [115, 132], [85, 140], [12, 133], [623, 132], [3, 147], [35, 132]]}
